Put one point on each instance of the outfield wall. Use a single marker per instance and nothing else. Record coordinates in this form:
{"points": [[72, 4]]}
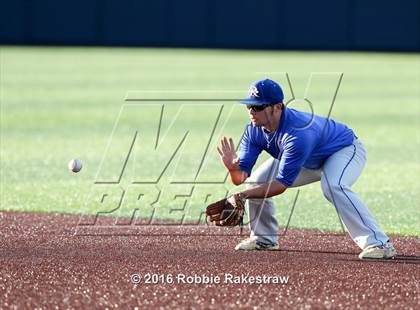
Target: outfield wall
{"points": [[382, 25]]}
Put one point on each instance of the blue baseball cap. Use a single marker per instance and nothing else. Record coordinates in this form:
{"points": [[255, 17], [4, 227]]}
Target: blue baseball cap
{"points": [[264, 92]]}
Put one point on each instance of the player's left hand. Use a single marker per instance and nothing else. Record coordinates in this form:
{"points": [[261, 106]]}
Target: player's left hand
{"points": [[228, 211]]}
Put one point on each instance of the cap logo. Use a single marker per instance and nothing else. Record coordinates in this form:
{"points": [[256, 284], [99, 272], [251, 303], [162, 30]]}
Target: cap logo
{"points": [[253, 92]]}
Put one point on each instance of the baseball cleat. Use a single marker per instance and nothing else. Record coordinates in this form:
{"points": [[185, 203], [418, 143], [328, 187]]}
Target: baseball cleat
{"points": [[379, 252], [251, 244], [267, 246]]}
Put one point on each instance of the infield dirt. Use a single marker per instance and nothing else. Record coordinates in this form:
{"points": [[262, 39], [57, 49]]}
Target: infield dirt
{"points": [[45, 264]]}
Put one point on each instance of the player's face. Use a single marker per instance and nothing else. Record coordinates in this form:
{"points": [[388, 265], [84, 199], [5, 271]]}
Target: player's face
{"points": [[260, 115]]}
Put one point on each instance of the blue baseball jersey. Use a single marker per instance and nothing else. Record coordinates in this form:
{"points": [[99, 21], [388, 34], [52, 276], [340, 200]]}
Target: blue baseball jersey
{"points": [[301, 140]]}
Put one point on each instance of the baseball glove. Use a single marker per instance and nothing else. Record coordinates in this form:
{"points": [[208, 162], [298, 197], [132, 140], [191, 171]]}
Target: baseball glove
{"points": [[227, 212]]}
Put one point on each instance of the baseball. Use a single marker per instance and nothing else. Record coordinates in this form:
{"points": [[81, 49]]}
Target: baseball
{"points": [[75, 165]]}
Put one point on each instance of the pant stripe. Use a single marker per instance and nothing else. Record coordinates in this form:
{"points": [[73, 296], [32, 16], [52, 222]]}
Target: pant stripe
{"points": [[342, 189]]}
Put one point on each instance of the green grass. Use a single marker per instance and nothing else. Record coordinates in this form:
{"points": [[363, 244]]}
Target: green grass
{"points": [[62, 103]]}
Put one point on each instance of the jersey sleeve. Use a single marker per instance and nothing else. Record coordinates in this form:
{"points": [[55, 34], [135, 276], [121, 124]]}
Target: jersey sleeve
{"points": [[297, 150], [249, 151]]}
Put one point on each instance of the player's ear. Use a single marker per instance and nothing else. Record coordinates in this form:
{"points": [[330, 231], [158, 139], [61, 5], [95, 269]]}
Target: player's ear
{"points": [[278, 106]]}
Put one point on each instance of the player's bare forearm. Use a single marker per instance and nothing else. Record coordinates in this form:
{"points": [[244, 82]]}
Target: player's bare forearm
{"points": [[238, 176], [265, 190]]}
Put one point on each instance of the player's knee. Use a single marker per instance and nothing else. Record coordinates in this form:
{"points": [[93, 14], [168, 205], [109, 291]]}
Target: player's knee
{"points": [[327, 194], [251, 183], [330, 189]]}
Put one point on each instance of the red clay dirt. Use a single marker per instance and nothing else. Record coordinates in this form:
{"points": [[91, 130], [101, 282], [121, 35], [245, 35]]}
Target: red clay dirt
{"points": [[44, 264]]}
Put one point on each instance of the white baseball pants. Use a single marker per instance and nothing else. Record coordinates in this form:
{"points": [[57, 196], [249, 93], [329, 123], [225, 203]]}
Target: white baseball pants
{"points": [[339, 172]]}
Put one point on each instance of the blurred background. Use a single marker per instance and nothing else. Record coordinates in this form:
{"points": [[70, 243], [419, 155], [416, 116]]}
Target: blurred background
{"points": [[66, 68], [378, 25]]}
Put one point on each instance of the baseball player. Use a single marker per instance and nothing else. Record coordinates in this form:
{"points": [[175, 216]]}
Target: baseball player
{"points": [[305, 148]]}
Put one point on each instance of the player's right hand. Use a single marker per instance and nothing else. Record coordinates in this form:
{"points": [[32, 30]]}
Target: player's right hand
{"points": [[228, 154]]}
